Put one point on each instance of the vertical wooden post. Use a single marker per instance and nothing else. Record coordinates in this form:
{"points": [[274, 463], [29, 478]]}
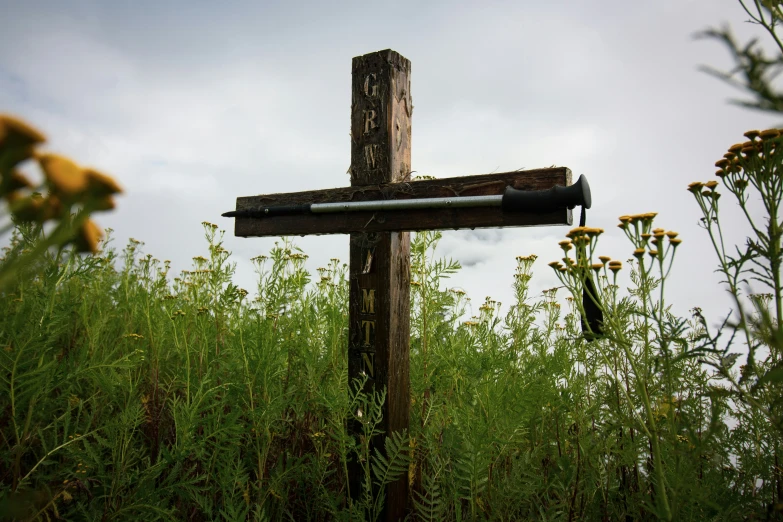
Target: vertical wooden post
{"points": [[379, 318]]}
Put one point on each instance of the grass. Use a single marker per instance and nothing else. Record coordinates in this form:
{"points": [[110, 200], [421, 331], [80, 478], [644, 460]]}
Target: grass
{"points": [[127, 393]]}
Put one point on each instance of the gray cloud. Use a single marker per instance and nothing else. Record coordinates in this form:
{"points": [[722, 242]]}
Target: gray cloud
{"points": [[193, 104]]}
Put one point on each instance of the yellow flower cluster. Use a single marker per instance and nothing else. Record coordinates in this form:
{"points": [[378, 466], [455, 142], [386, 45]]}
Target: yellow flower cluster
{"points": [[743, 160], [67, 183]]}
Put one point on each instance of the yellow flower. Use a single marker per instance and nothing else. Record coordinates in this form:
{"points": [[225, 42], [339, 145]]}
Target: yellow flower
{"points": [[578, 231], [695, 186], [749, 150], [653, 253], [769, 134], [639, 252], [104, 203], [25, 209], [100, 184], [675, 241], [614, 266], [64, 176], [88, 236], [604, 259], [597, 266], [17, 181], [722, 163], [736, 147], [671, 235], [751, 134], [720, 173], [15, 133], [52, 208]]}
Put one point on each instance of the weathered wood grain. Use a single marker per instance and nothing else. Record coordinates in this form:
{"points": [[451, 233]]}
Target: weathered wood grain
{"points": [[422, 219], [379, 326]]}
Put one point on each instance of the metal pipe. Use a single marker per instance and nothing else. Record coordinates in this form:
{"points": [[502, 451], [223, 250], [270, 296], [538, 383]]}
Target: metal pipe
{"points": [[512, 200], [408, 204]]}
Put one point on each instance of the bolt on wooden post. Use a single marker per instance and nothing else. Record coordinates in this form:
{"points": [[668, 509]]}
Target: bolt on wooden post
{"points": [[379, 270]]}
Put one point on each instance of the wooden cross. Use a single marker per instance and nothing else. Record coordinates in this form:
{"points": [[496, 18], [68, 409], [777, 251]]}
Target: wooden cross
{"points": [[379, 317]]}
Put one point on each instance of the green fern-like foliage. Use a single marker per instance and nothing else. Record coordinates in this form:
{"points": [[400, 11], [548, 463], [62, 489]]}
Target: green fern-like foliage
{"points": [[391, 464], [428, 503]]}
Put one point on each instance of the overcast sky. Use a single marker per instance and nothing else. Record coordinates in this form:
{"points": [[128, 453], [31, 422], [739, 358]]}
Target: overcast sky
{"points": [[191, 104]]}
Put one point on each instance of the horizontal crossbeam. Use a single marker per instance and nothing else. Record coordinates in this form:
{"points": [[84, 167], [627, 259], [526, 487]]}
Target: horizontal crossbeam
{"points": [[412, 219]]}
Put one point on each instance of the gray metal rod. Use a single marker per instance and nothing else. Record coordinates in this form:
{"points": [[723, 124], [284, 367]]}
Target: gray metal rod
{"points": [[405, 204]]}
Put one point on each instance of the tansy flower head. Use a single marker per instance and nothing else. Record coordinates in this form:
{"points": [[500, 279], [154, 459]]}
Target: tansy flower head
{"points": [[736, 148], [671, 235], [16, 133], [63, 175], [614, 266], [751, 134], [720, 173], [100, 184], [17, 181], [639, 252], [597, 266], [722, 163], [675, 241], [695, 187], [88, 236], [653, 253], [604, 259], [25, 209], [52, 208], [578, 231], [769, 134], [555, 264], [104, 203]]}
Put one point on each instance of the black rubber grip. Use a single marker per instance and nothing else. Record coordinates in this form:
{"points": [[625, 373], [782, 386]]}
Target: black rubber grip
{"points": [[544, 201]]}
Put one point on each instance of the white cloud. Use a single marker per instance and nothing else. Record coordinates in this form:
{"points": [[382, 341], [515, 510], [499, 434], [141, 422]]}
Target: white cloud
{"points": [[192, 107]]}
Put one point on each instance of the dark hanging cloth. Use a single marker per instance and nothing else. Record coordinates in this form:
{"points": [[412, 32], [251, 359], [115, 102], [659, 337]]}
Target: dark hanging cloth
{"points": [[593, 316]]}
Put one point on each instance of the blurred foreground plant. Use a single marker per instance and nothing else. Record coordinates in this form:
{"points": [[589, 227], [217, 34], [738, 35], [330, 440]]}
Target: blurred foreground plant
{"points": [[72, 195]]}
